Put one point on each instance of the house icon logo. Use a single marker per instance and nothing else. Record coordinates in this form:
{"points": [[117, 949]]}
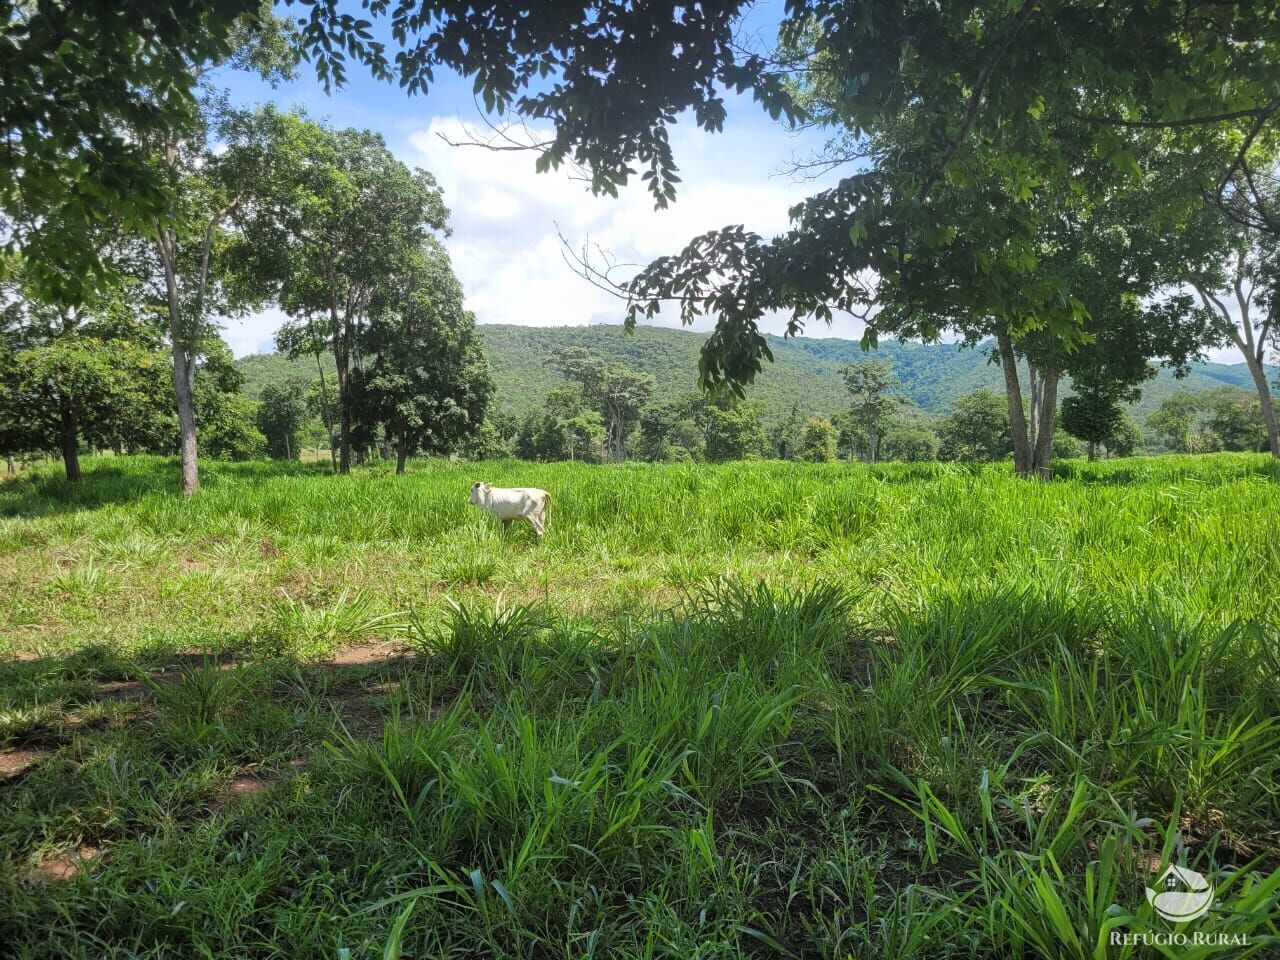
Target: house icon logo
{"points": [[1186, 895]]}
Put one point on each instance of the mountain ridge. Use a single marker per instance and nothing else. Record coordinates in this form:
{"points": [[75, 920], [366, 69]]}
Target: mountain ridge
{"points": [[805, 372]]}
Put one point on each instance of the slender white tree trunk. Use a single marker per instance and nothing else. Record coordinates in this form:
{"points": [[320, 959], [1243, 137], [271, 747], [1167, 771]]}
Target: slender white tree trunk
{"points": [[184, 366]]}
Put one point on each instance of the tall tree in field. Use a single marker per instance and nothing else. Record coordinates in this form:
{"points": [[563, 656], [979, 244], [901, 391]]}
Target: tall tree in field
{"points": [[872, 400], [168, 135], [425, 383], [817, 441], [207, 164], [1174, 421], [982, 146], [339, 215], [978, 428], [616, 389]]}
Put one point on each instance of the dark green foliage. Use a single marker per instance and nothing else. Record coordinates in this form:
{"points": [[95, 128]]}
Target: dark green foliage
{"points": [[94, 375], [336, 237], [565, 429], [978, 430], [639, 66], [912, 440], [282, 411], [618, 393], [1236, 421], [225, 418], [88, 87], [1225, 419], [423, 385], [733, 431], [873, 402]]}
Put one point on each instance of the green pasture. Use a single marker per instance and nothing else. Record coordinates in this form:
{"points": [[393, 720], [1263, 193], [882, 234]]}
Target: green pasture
{"points": [[763, 709]]}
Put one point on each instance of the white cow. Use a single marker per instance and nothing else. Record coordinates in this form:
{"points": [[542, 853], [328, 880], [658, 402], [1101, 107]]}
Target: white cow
{"points": [[513, 503]]}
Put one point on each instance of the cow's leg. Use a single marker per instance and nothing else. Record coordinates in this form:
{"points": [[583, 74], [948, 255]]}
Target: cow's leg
{"points": [[506, 525], [535, 521]]}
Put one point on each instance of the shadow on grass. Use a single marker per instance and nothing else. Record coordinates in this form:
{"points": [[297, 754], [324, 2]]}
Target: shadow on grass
{"points": [[792, 737], [1210, 469], [108, 481]]}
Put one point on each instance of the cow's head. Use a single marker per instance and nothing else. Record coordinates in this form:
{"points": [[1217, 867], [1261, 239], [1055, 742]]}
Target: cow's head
{"points": [[479, 493]]}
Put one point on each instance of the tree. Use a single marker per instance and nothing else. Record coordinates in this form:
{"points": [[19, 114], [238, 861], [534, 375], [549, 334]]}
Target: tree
{"points": [[733, 431], [990, 146], [1249, 278], [487, 443], [784, 438], [1174, 421], [909, 441], [978, 429], [563, 429], [619, 392], [204, 163], [87, 89], [427, 385], [817, 441], [282, 411], [1236, 420], [337, 215], [1094, 415], [872, 400], [74, 374], [226, 418], [1125, 438]]}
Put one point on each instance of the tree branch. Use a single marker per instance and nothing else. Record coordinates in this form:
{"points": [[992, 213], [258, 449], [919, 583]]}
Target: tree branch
{"points": [[975, 97]]}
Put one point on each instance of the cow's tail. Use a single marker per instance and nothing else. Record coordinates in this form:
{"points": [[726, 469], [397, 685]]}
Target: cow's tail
{"points": [[546, 512]]}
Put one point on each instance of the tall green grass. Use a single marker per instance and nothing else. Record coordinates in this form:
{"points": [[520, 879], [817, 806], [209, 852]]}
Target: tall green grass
{"points": [[122, 556], [928, 713]]}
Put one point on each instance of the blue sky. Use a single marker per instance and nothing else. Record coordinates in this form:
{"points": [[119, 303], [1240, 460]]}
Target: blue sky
{"points": [[504, 216]]}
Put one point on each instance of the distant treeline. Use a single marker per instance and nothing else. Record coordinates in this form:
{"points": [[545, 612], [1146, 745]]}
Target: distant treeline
{"points": [[633, 399]]}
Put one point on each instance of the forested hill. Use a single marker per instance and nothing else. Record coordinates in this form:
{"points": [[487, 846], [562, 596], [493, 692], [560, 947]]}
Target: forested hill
{"points": [[805, 371]]}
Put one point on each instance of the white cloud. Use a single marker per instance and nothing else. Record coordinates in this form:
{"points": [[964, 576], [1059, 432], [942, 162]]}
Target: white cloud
{"points": [[505, 216]]}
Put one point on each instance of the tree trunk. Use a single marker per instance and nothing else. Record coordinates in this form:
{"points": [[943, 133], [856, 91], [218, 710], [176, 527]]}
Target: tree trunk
{"points": [[1022, 462], [1266, 402], [69, 439], [1092, 448], [1047, 415], [402, 451], [326, 413], [184, 367], [184, 370], [1035, 386], [344, 407]]}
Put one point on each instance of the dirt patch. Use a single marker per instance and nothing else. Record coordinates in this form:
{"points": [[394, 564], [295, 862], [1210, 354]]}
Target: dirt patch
{"points": [[16, 763], [365, 653], [63, 865], [249, 784], [121, 689]]}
